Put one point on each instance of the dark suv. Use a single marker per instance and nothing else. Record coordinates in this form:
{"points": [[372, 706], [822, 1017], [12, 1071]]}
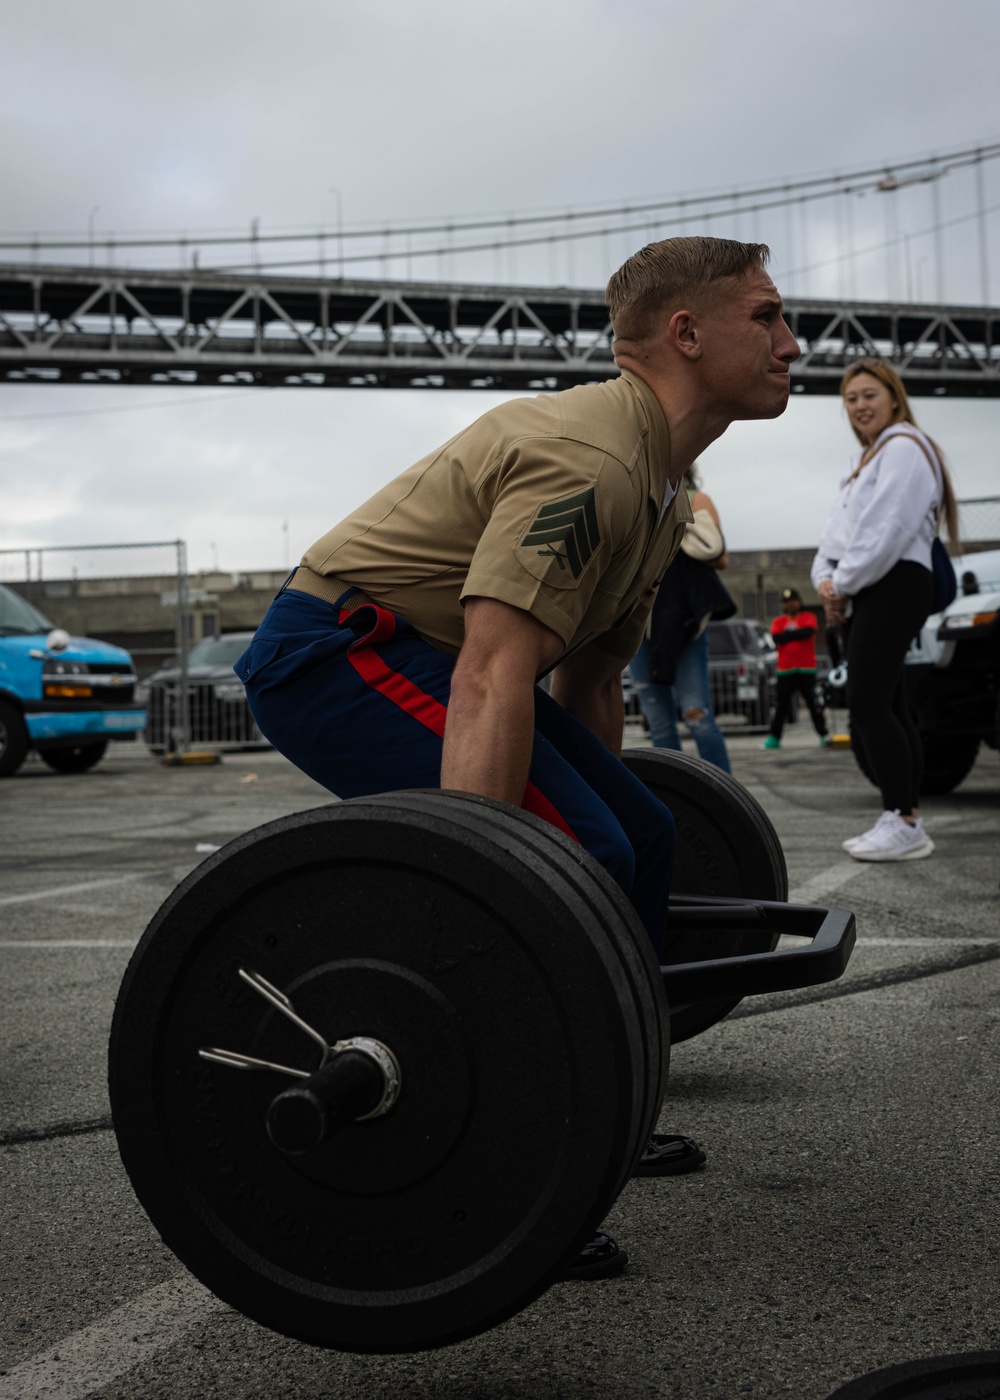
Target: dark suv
{"points": [[217, 710]]}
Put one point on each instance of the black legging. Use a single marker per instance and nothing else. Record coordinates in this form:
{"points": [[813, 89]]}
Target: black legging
{"points": [[884, 620]]}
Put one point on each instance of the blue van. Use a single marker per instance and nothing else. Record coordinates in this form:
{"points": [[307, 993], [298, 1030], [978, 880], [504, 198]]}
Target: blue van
{"points": [[64, 696]]}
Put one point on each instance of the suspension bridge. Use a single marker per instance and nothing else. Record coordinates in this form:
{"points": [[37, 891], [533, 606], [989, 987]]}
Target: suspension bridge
{"points": [[344, 307]]}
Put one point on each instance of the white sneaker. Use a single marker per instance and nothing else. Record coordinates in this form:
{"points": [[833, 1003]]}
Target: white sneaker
{"points": [[853, 841], [892, 838], [920, 827]]}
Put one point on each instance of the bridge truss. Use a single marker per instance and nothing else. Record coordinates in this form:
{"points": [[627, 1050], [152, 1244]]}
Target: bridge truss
{"points": [[86, 325]]}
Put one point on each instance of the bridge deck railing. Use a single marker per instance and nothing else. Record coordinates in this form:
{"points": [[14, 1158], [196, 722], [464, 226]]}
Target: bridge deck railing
{"points": [[61, 324]]}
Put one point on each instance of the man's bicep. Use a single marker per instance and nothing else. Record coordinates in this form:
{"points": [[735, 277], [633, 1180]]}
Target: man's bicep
{"points": [[624, 640], [590, 667], [496, 633]]}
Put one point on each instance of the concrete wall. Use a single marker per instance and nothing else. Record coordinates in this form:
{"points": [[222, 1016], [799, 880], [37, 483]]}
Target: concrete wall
{"points": [[141, 613], [755, 578]]}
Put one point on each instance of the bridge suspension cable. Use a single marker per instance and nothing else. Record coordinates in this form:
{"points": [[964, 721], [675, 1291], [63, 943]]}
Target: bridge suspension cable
{"points": [[676, 210]]}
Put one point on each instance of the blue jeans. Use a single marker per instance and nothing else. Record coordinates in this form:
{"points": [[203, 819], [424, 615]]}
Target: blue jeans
{"points": [[690, 696]]}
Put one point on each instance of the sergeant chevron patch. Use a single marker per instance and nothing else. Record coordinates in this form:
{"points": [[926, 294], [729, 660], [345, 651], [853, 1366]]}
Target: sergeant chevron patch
{"points": [[568, 532]]}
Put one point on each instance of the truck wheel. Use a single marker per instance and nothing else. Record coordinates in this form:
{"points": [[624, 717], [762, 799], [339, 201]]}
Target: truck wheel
{"points": [[948, 759], [13, 740], [75, 760]]}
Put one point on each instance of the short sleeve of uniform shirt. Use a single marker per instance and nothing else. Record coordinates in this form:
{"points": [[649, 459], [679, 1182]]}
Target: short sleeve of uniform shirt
{"points": [[557, 512]]}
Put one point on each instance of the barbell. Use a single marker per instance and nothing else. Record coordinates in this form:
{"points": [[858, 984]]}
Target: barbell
{"points": [[379, 1070]]}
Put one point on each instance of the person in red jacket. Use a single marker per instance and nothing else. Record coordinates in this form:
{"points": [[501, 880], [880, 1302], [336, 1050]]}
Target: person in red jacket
{"points": [[794, 634]]}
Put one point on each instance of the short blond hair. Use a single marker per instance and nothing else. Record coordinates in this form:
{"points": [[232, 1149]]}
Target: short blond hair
{"points": [[663, 275]]}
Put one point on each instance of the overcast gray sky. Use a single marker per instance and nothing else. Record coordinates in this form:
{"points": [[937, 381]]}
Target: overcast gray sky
{"points": [[206, 114]]}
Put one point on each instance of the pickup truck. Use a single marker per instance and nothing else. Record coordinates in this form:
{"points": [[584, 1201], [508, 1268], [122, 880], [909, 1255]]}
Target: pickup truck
{"points": [[953, 676], [66, 697]]}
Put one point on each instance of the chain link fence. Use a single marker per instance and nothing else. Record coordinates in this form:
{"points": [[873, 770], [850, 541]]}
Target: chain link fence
{"points": [[979, 521]]}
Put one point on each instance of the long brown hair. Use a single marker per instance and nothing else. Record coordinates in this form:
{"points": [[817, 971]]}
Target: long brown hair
{"points": [[903, 413]]}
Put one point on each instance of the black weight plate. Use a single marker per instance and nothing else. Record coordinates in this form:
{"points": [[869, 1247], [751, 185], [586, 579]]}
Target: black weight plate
{"points": [[512, 1017], [624, 931], [726, 846], [973, 1375], [511, 829]]}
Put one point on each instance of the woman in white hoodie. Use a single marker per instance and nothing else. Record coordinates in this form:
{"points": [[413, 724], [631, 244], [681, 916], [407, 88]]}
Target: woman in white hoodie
{"points": [[873, 573]]}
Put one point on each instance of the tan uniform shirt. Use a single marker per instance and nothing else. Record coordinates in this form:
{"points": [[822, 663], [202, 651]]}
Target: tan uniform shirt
{"points": [[551, 504]]}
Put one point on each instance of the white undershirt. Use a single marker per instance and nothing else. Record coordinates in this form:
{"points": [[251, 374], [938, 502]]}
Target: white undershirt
{"points": [[668, 496]]}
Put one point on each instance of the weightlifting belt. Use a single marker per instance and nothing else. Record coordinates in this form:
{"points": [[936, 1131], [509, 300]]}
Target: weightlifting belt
{"points": [[329, 589]]}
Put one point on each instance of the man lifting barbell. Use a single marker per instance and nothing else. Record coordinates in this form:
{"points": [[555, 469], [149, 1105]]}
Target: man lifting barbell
{"points": [[405, 650]]}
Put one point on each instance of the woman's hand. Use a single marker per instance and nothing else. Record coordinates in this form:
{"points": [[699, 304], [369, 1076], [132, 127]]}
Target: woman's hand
{"points": [[834, 603]]}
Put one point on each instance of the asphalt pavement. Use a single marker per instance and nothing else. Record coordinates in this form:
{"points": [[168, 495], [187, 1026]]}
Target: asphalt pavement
{"points": [[847, 1218]]}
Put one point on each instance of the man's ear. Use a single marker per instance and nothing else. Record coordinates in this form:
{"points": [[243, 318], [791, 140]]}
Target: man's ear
{"points": [[684, 334]]}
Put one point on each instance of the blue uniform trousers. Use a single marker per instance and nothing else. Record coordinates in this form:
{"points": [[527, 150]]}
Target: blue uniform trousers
{"points": [[358, 701]]}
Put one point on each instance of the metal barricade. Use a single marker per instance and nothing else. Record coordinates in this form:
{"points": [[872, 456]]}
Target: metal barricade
{"points": [[215, 715]]}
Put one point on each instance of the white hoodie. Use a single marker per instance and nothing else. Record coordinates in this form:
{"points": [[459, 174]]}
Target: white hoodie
{"points": [[887, 513]]}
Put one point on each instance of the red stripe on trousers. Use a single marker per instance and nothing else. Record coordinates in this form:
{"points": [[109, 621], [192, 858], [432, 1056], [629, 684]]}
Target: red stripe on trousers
{"points": [[423, 707]]}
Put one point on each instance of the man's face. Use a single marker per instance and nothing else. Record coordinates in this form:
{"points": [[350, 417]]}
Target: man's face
{"points": [[747, 349], [791, 607]]}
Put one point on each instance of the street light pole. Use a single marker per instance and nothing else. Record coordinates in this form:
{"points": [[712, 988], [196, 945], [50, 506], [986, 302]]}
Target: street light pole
{"points": [[90, 230], [920, 280], [340, 229]]}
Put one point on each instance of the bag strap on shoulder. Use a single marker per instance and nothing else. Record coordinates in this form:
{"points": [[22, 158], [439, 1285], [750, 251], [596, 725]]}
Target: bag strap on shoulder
{"points": [[934, 465]]}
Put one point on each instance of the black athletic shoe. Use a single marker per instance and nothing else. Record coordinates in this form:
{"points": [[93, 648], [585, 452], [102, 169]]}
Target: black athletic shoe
{"points": [[669, 1156], [601, 1258]]}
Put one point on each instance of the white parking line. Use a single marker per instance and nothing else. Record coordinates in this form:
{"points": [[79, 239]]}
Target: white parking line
{"points": [[68, 942], [825, 882], [61, 890], [92, 1358], [933, 942]]}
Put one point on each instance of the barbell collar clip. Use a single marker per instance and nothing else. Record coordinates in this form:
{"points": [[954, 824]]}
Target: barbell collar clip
{"points": [[359, 1082]]}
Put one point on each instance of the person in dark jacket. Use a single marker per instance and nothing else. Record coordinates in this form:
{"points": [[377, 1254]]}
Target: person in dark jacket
{"points": [[794, 634], [670, 669]]}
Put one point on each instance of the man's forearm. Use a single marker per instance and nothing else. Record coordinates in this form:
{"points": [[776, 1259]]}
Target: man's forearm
{"points": [[488, 739]]}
